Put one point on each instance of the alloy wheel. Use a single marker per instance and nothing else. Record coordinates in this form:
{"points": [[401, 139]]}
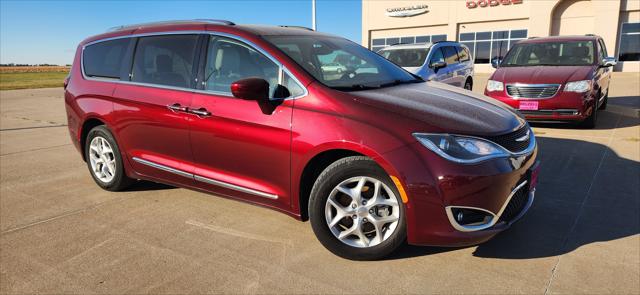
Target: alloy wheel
{"points": [[102, 159], [362, 212]]}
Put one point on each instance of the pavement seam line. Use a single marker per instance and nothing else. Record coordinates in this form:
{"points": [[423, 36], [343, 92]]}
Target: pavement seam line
{"points": [[33, 150], [61, 216], [584, 201]]}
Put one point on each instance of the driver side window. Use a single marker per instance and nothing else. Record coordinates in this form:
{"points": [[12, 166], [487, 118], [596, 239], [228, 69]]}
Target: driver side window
{"points": [[229, 60], [436, 57]]}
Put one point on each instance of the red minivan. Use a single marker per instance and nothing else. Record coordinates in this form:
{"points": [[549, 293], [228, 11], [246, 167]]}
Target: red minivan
{"points": [[372, 155], [563, 78]]}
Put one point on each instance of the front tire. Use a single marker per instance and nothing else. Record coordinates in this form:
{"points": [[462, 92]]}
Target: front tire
{"points": [[104, 160], [590, 122], [603, 106], [356, 210]]}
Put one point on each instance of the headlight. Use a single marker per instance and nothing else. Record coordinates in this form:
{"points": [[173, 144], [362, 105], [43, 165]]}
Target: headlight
{"points": [[494, 85], [461, 149], [578, 86]]}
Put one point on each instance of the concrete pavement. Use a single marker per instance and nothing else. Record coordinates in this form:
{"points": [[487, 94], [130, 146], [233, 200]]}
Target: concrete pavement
{"points": [[60, 233]]}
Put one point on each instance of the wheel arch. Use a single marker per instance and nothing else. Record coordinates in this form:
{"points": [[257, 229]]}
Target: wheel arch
{"points": [[321, 160], [88, 124]]}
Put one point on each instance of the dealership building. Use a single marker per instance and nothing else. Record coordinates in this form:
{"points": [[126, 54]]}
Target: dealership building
{"points": [[490, 27]]}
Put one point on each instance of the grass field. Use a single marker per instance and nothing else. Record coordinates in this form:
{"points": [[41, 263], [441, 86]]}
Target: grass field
{"points": [[31, 77]]}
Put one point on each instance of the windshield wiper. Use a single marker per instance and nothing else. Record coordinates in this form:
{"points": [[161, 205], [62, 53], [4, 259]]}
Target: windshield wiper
{"points": [[356, 87], [399, 82]]}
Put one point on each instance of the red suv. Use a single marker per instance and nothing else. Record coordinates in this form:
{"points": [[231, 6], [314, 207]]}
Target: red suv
{"points": [[372, 155], [562, 78]]}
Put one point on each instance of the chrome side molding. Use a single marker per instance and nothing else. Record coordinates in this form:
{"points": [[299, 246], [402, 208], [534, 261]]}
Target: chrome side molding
{"points": [[206, 180]]}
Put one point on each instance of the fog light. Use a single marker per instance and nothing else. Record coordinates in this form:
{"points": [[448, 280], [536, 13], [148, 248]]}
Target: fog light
{"points": [[467, 216]]}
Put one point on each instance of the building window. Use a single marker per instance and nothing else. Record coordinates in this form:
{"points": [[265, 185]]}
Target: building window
{"points": [[485, 46], [379, 43], [629, 42]]}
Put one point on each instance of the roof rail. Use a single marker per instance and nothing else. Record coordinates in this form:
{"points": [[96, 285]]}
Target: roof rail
{"points": [[533, 37], [134, 26], [442, 41], [297, 27]]}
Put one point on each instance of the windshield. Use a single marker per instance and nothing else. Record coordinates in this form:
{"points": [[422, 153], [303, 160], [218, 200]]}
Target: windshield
{"points": [[566, 53], [408, 57], [340, 63]]}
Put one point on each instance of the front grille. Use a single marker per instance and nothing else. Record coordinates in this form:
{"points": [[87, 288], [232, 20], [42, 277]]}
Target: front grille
{"points": [[532, 91], [517, 203], [567, 112], [510, 141]]}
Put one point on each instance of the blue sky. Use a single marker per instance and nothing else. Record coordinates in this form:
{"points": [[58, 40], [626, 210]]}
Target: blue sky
{"points": [[48, 31]]}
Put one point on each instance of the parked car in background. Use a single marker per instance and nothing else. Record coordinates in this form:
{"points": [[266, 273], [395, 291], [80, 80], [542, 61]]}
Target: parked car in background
{"points": [[445, 61], [333, 68], [373, 157], [563, 78]]}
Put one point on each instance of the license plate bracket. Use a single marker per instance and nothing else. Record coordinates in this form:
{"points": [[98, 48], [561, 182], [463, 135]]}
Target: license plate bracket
{"points": [[528, 105]]}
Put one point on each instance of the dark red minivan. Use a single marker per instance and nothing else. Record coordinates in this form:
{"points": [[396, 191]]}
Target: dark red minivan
{"points": [[372, 156], [563, 78]]}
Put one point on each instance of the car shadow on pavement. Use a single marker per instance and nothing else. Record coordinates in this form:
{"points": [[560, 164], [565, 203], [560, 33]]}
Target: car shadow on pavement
{"points": [[586, 194], [143, 185]]}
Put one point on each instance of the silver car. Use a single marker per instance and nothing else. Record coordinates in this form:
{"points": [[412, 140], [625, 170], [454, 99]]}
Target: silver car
{"points": [[446, 61]]}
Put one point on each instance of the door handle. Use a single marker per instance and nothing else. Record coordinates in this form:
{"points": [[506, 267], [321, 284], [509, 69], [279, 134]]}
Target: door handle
{"points": [[201, 112], [176, 107]]}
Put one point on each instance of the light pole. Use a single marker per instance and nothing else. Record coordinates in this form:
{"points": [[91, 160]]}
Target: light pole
{"points": [[313, 14]]}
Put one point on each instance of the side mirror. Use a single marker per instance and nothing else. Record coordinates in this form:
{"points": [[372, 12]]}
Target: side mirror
{"points": [[251, 89], [609, 62], [495, 63], [438, 65]]}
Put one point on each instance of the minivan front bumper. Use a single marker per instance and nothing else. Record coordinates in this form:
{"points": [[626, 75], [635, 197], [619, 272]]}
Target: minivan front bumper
{"points": [[503, 188]]}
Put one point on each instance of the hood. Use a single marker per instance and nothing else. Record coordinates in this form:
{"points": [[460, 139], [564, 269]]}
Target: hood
{"points": [[447, 108], [543, 74]]}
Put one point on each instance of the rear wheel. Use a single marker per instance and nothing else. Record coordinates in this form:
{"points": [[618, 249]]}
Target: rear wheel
{"points": [[105, 161], [356, 211], [468, 84]]}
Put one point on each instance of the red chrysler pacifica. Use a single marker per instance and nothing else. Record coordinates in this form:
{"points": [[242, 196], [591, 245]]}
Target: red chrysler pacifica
{"points": [[562, 78], [372, 156]]}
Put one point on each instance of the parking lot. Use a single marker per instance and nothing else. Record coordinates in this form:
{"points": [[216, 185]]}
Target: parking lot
{"points": [[60, 233]]}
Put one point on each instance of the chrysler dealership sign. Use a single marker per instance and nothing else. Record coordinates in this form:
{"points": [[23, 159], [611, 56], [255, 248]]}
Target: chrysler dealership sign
{"points": [[407, 11]]}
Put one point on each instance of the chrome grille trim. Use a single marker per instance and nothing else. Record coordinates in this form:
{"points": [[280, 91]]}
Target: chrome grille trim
{"points": [[532, 91]]}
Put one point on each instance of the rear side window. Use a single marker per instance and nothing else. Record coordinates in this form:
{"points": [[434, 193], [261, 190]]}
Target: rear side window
{"points": [[105, 59], [450, 55], [165, 60], [463, 53]]}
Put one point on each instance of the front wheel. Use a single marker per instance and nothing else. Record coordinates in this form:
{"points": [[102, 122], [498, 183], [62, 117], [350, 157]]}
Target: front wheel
{"points": [[356, 211]]}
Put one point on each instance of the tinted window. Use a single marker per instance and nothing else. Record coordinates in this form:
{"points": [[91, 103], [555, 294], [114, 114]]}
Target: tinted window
{"points": [[423, 39], [407, 40], [463, 54], [229, 60], [567, 53], [377, 42], [482, 52], [294, 88], [499, 49], [519, 34], [630, 42], [438, 38], [165, 60], [409, 57], [105, 59], [450, 55], [342, 64], [437, 56]]}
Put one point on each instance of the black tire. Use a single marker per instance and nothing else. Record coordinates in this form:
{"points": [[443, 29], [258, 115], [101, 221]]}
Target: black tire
{"points": [[468, 85], [335, 174], [603, 106], [590, 122], [120, 180]]}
